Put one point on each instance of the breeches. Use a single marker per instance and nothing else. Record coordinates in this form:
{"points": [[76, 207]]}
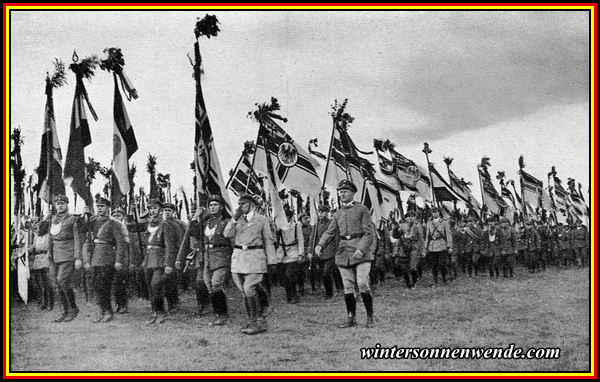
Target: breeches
{"points": [[247, 282], [357, 275]]}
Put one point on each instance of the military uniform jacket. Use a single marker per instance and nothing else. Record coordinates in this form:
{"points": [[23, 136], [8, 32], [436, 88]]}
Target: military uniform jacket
{"points": [[510, 244], [316, 232], [460, 241], [492, 242], [356, 231], [472, 240], [253, 233], [438, 237], [410, 240], [544, 236], [564, 238], [580, 237], [193, 240], [291, 243], [217, 248], [162, 247], [532, 240], [107, 240], [65, 239]]}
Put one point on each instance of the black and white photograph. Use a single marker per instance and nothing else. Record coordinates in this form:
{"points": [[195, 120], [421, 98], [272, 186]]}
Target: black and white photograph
{"points": [[281, 190]]}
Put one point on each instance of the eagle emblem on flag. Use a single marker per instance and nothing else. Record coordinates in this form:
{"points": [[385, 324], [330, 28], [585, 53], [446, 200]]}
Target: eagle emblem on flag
{"points": [[287, 154]]}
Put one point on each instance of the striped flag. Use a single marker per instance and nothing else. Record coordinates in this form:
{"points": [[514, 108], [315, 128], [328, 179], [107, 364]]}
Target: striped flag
{"points": [[286, 163], [124, 146], [491, 198], [443, 191], [209, 178], [79, 138], [50, 182], [241, 174], [414, 177], [532, 190]]}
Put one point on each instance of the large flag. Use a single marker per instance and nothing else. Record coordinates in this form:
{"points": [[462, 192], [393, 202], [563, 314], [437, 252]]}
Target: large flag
{"points": [[209, 178], [50, 172], [441, 188], [491, 198], [244, 178], [292, 166], [74, 174], [462, 188], [578, 207], [337, 165], [413, 177], [124, 145], [532, 190]]}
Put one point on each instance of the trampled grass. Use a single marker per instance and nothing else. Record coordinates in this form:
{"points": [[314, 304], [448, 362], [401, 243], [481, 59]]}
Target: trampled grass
{"points": [[549, 309]]}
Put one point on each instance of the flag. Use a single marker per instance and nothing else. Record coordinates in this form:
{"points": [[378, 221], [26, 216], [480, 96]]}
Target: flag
{"points": [[414, 177], [462, 188], [238, 182], [441, 188], [337, 164], [281, 158], [209, 178], [531, 189], [79, 137], [491, 199], [389, 198], [124, 146], [50, 172]]}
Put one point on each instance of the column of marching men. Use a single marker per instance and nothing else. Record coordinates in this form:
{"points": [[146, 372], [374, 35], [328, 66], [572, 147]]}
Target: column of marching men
{"points": [[154, 256]]}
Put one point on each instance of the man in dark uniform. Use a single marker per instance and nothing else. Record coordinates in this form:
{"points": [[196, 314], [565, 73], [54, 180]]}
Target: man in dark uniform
{"points": [[581, 242], [408, 249], [563, 239], [382, 253], [253, 250], [352, 224], [122, 276], [138, 240], [291, 252], [174, 278], [544, 244], [311, 267], [64, 254], [492, 247], [533, 246], [472, 246], [438, 244], [108, 251], [510, 248], [161, 253], [326, 260]]}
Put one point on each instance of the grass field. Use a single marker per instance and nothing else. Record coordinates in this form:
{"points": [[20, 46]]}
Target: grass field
{"points": [[549, 309]]}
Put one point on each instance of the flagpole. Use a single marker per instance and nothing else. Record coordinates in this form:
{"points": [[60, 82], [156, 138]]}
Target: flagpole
{"points": [[482, 194], [428, 151], [525, 212], [328, 158], [49, 146], [254, 158]]}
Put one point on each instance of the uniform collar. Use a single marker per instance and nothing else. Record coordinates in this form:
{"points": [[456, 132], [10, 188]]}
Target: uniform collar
{"points": [[249, 215], [348, 205]]}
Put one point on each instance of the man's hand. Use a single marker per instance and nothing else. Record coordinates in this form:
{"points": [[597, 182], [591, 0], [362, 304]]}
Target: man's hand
{"points": [[78, 263], [318, 250], [168, 270], [118, 266], [198, 213], [310, 257], [358, 254], [237, 214], [449, 250], [178, 265], [86, 266]]}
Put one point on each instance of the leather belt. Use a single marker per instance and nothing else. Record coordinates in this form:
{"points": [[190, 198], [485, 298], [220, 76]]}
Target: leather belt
{"points": [[53, 239], [289, 245], [245, 247], [211, 246], [353, 236], [41, 252], [98, 241], [154, 247]]}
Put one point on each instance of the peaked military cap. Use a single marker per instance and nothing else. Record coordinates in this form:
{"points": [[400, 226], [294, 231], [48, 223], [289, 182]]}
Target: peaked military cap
{"points": [[61, 199], [118, 211], [102, 201], [215, 198], [246, 198], [324, 207], [154, 202], [169, 205], [347, 185]]}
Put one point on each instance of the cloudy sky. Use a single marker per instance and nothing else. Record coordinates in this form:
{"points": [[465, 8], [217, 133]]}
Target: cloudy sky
{"points": [[495, 83]]}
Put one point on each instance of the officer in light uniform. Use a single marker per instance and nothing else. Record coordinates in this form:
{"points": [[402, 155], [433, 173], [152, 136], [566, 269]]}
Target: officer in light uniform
{"points": [[352, 224], [252, 251], [438, 244], [64, 254]]}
